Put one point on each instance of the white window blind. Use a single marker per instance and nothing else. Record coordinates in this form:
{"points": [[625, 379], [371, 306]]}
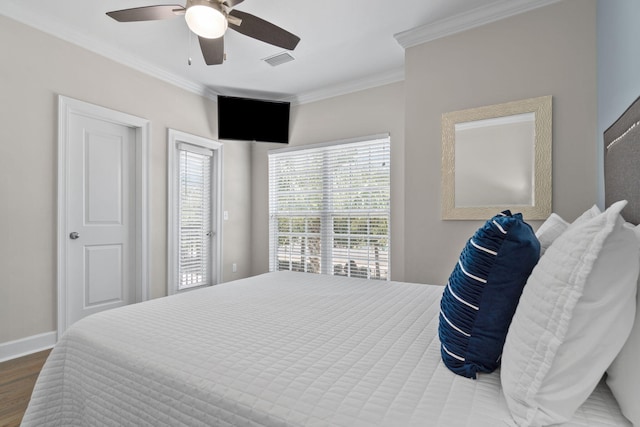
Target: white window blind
{"points": [[194, 213], [329, 209]]}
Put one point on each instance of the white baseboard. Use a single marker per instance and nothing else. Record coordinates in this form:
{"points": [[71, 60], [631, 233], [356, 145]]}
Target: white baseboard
{"points": [[24, 346]]}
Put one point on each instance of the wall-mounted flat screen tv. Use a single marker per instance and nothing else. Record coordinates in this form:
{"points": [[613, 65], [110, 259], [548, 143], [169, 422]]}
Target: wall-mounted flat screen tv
{"points": [[247, 119]]}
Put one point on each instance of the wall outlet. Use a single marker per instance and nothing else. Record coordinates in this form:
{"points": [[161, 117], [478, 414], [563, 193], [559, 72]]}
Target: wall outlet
{"points": [[225, 215], [234, 268]]}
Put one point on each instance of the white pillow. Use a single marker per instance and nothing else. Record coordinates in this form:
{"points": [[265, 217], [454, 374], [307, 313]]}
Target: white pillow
{"points": [[574, 315], [550, 230], [554, 226], [623, 376], [590, 213]]}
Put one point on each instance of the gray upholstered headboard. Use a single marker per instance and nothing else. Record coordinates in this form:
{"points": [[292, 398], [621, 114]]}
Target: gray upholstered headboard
{"points": [[622, 162]]}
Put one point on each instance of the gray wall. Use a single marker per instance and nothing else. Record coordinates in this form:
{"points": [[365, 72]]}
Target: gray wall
{"points": [[618, 65], [547, 51], [34, 69]]}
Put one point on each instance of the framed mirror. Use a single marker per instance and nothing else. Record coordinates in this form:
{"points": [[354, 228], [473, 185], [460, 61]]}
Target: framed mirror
{"points": [[495, 158]]}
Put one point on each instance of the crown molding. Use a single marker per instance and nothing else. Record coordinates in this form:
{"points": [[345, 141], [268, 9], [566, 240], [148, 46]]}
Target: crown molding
{"points": [[345, 88], [467, 20], [330, 91]]}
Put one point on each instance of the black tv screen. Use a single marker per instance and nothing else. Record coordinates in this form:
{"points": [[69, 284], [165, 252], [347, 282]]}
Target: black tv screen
{"points": [[248, 119]]}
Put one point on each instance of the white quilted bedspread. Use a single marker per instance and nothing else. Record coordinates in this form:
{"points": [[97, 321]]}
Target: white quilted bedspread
{"points": [[281, 349]]}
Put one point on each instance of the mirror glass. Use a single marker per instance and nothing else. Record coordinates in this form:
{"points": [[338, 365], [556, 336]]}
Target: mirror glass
{"points": [[496, 158]]}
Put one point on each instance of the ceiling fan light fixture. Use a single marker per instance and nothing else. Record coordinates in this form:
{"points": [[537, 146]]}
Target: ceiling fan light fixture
{"points": [[206, 19]]}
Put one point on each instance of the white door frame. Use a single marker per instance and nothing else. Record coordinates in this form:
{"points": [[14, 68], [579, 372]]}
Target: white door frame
{"points": [[174, 137], [66, 107]]}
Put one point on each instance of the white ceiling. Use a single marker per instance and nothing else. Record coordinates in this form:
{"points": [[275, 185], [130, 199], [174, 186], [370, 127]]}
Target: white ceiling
{"points": [[345, 45]]}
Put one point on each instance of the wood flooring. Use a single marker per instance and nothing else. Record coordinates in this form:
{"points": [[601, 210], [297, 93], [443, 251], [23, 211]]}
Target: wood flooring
{"points": [[17, 378]]}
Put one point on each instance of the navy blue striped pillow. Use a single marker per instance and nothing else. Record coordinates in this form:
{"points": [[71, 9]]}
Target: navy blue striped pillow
{"points": [[482, 293]]}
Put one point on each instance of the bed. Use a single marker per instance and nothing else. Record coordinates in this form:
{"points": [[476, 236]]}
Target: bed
{"points": [[294, 349]]}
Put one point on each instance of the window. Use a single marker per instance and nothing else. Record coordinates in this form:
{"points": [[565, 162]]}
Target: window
{"points": [[194, 187], [329, 208]]}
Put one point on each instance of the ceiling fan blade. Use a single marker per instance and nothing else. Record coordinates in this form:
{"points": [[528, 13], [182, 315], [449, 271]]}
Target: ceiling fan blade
{"points": [[147, 13], [232, 3], [212, 50], [260, 29]]}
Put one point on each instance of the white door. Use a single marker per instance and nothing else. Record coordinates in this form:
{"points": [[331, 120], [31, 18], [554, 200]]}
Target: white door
{"points": [[100, 216], [103, 222]]}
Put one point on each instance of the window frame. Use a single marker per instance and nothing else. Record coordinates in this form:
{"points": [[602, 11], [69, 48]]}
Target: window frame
{"points": [[326, 214], [175, 138]]}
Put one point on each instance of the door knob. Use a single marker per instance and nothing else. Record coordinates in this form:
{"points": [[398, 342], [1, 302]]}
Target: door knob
{"points": [[74, 235]]}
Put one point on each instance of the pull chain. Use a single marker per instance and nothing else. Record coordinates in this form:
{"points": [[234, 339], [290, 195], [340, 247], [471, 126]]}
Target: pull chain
{"points": [[189, 49]]}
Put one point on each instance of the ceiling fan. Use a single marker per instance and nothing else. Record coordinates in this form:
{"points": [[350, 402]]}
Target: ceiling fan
{"points": [[209, 19]]}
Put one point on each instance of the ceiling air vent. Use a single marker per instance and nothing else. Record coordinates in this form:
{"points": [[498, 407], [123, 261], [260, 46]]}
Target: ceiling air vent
{"points": [[278, 59]]}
